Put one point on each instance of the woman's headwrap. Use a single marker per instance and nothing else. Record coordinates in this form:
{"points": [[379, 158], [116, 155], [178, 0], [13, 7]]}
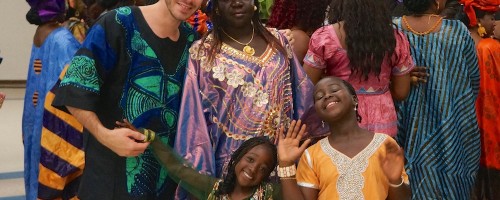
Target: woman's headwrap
{"points": [[484, 5], [48, 9]]}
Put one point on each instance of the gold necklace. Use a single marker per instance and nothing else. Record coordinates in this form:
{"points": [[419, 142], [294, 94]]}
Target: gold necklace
{"points": [[246, 47], [405, 21]]}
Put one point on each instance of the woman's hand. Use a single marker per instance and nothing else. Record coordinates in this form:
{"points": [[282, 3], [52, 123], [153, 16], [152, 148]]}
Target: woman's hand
{"points": [[288, 146], [418, 74], [393, 162]]}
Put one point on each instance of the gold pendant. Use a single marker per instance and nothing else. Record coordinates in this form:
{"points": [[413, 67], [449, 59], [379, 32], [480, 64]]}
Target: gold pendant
{"points": [[249, 50]]}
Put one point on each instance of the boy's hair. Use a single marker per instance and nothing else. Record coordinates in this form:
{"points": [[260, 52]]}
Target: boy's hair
{"points": [[227, 185]]}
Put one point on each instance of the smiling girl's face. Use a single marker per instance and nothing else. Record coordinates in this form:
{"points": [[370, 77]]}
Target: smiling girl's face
{"points": [[254, 166], [332, 100]]}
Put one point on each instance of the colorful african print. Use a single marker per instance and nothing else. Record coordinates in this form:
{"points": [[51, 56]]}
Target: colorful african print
{"points": [[46, 63], [437, 122], [125, 71], [236, 98], [488, 111]]}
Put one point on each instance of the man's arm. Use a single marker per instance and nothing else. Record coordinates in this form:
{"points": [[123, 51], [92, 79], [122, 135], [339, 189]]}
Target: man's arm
{"points": [[122, 141]]}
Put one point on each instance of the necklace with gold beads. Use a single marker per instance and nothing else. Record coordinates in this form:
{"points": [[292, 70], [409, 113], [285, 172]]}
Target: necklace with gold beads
{"points": [[405, 21], [246, 47]]}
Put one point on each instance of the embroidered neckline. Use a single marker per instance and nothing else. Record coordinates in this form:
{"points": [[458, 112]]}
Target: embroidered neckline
{"points": [[350, 182]]}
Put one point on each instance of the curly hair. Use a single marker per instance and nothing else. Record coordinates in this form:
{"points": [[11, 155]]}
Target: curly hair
{"points": [[307, 15], [228, 183], [218, 23], [370, 37], [283, 14]]}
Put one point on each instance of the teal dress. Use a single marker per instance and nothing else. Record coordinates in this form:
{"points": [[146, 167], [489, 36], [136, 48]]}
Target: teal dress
{"points": [[437, 122]]}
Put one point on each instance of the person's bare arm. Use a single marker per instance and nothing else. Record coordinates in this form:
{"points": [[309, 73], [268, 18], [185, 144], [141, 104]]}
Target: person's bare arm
{"points": [[289, 151], [400, 87], [392, 165], [301, 44], [122, 141], [313, 73]]}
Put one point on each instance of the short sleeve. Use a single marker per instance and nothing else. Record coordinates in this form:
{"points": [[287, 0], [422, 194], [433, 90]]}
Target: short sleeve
{"points": [[315, 56], [306, 177], [81, 85], [402, 61]]}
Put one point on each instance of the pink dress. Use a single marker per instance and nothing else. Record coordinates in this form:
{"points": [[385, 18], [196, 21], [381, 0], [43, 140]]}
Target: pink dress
{"points": [[376, 106]]}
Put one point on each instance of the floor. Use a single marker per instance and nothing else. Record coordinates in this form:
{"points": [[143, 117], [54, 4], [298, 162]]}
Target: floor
{"points": [[11, 146]]}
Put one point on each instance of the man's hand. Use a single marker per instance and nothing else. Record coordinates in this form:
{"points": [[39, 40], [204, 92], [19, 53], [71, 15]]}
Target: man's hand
{"points": [[123, 141]]}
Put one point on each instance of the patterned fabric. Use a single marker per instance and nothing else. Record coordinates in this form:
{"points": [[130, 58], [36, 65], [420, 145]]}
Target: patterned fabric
{"points": [[488, 118], [265, 191], [437, 122], [62, 158], [337, 176], [77, 27], [375, 101], [46, 63], [200, 22], [127, 73], [236, 98]]}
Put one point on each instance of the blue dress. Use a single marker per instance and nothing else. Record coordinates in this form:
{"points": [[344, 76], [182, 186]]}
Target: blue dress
{"points": [[46, 63], [437, 122]]}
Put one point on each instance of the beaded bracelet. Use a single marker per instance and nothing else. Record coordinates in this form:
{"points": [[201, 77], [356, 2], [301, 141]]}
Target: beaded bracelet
{"points": [[285, 172], [398, 185]]}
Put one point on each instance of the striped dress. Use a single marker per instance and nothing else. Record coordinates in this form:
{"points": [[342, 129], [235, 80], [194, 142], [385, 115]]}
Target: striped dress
{"points": [[437, 123]]}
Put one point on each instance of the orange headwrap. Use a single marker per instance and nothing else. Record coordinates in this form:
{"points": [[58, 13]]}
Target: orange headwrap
{"points": [[484, 5]]}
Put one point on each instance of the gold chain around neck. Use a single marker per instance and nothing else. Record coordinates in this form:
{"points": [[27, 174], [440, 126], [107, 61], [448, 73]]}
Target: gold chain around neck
{"points": [[244, 44], [405, 21]]}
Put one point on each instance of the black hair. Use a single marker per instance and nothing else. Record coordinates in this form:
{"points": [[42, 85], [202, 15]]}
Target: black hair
{"points": [[216, 31], [418, 6], [228, 183], [352, 91], [451, 9], [369, 30], [311, 14]]}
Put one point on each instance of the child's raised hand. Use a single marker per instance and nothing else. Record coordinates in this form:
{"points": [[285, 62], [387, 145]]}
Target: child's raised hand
{"points": [[393, 162], [288, 146]]}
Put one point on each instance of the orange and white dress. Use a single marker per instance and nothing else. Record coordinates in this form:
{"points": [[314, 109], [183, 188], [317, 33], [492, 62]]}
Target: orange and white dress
{"points": [[337, 176]]}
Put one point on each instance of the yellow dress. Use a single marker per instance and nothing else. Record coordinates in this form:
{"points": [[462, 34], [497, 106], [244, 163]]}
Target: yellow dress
{"points": [[337, 176]]}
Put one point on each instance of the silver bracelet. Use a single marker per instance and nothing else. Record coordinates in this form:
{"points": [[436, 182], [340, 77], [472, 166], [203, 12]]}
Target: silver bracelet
{"points": [[398, 185]]}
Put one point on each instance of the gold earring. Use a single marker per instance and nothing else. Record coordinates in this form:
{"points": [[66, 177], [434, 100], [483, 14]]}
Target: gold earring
{"points": [[481, 30], [254, 8]]}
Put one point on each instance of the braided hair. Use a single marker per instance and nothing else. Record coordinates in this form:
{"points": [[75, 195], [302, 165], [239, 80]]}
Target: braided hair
{"points": [[228, 183], [352, 91]]}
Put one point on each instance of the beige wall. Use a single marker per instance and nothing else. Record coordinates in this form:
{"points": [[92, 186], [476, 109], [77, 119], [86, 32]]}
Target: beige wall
{"points": [[16, 37]]}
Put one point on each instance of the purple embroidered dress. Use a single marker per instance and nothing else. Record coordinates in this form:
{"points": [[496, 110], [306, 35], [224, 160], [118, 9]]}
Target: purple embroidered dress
{"points": [[236, 98]]}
